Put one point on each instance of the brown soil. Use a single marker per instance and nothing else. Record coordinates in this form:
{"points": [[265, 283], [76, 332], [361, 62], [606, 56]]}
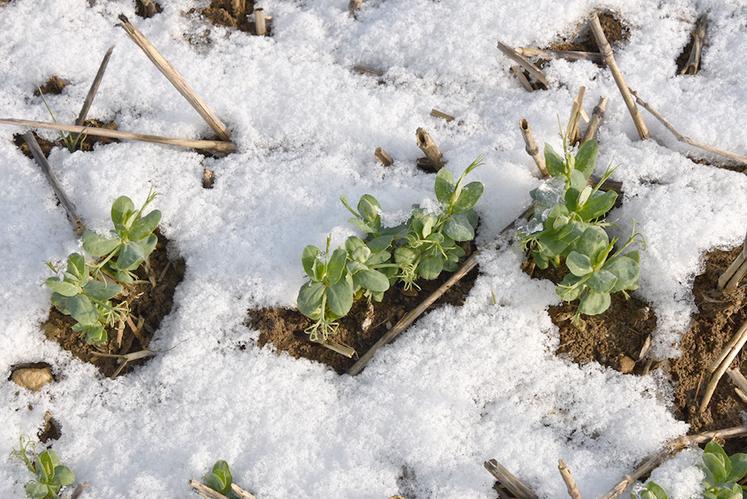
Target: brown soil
{"points": [[152, 304], [51, 429], [284, 328], [147, 9], [582, 39], [225, 13], [86, 144], [718, 318], [53, 86], [614, 338]]}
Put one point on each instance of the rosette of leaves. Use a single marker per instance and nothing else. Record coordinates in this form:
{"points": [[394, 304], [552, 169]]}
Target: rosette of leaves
{"points": [[723, 472], [567, 206], [327, 294], [651, 490], [596, 272], [132, 242], [86, 300], [432, 242], [220, 479], [51, 476]]}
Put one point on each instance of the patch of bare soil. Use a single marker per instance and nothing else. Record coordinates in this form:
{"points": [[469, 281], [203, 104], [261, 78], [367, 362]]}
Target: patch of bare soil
{"points": [[53, 86], [719, 316], [150, 303], [233, 14], [360, 329], [582, 39], [614, 339]]}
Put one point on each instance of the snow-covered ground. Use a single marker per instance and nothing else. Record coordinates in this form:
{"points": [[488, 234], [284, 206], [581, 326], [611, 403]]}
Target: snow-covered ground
{"points": [[465, 384]]}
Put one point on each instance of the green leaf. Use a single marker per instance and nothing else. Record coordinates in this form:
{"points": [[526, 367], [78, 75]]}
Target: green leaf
{"points": [[578, 263], [46, 463], [63, 475], [598, 205], [308, 258], [378, 258], [567, 289], [602, 281], [405, 256], [96, 245], [145, 226], [371, 280], [657, 492], [716, 461], [444, 185], [101, 291], [468, 197], [586, 158], [627, 271], [94, 334], [593, 240], [336, 265], [578, 181], [121, 210], [555, 164], [222, 479], [36, 490], [368, 207], [584, 196], [76, 265], [130, 256], [340, 297], [310, 299], [63, 288], [357, 249], [80, 308], [738, 467], [593, 303], [459, 228], [430, 267], [380, 243]]}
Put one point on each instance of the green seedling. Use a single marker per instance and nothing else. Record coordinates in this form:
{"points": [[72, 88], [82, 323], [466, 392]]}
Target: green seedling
{"points": [[723, 472], [85, 289], [132, 242], [72, 141], [50, 476], [220, 479], [568, 229], [327, 295], [651, 490], [367, 267]]}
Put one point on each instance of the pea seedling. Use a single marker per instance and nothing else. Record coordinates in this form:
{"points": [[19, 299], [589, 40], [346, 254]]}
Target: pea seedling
{"points": [[651, 490], [85, 289], [723, 472], [50, 476], [568, 226], [367, 267], [220, 479]]}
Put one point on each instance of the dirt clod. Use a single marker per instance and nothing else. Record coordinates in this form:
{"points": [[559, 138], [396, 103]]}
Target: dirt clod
{"points": [[284, 328], [85, 144], [149, 303], [32, 376], [233, 14], [208, 178], [147, 8], [53, 86], [51, 429]]}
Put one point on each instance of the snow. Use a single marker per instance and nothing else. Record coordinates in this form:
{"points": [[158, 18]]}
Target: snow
{"points": [[462, 386]]}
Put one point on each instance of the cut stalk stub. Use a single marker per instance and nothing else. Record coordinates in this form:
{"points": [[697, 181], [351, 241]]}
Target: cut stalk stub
{"points": [[531, 147], [433, 160], [698, 35], [734, 274], [384, 157]]}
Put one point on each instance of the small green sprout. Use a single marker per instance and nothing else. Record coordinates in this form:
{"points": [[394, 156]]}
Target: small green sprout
{"points": [[72, 141], [85, 289], [651, 490], [50, 476], [220, 479], [723, 472]]}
